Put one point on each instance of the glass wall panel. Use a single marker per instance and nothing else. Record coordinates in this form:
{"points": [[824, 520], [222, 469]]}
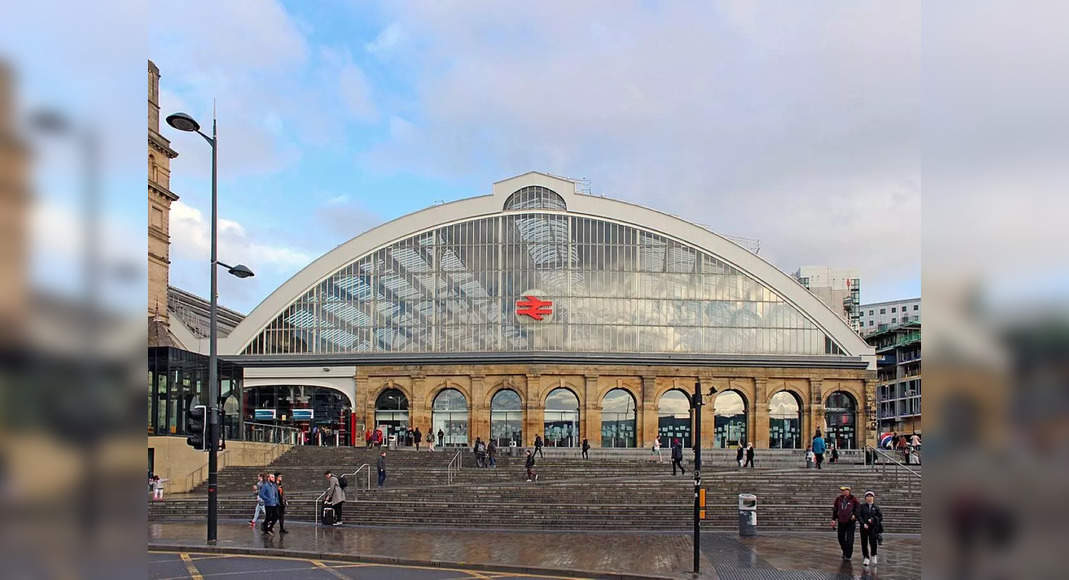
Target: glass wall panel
{"points": [[450, 415], [673, 418], [840, 416], [391, 411], [506, 418], [561, 425], [618, 419], [784, 421], [730, 420]]}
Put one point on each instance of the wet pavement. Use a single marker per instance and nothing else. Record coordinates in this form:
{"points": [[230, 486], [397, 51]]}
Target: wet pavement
{"points": [[585, 554]]}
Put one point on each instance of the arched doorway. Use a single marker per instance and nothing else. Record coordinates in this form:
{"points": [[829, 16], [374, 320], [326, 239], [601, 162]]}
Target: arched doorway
{"points": [[450, 415], [840, 417], [391, 412], [618, 419], [561, 424], [784, 421], [506, 418], [729, 419], [673, 418]]}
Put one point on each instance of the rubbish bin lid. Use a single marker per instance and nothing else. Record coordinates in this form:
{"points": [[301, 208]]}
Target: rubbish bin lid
{"points": [[747, 496]]}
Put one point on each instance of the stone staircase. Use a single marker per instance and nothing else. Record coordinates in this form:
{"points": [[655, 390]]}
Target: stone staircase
{"points": [[611, 491]]}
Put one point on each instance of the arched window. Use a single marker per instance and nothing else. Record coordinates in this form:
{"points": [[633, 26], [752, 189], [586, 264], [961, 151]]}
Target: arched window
{"points": [[840, 417], [618, 419], [391, 411], [450, 416], [784, 421], [506, 418], [673, 418], [730, 420], [535, 197], [561, 425]]}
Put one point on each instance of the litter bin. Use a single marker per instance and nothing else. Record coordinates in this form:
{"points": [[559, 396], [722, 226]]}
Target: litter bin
{"points": [[392, 442], [747, 514]]}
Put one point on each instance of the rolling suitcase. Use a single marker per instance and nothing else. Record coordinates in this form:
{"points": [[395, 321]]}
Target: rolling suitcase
{"points": [[328, 516]]}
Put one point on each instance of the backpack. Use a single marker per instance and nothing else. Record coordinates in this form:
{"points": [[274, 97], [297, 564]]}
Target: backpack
{"points": [[342, 483]]}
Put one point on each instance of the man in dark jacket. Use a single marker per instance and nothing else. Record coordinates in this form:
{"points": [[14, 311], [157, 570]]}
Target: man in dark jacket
{"points": [[531, 475], [382, 468], [586, 448], [282, 502], [441, 438], [491, 453], [677, 457], [843, 518], [749, 455], [418, 437], [739, 455], [871, 518], [538, 446]]}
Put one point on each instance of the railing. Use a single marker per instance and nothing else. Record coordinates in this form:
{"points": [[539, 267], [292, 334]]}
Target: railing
{"points": [[200, 474], [902, 473], [265, 433], [319, 498], [453, 469]]}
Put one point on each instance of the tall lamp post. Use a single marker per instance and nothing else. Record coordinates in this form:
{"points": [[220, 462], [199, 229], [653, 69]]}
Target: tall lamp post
{"points": [[184, 122], [696, 404]]}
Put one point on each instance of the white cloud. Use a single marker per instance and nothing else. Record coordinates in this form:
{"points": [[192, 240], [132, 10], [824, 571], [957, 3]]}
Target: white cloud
{"points": [[387, 40], [190, 239]]}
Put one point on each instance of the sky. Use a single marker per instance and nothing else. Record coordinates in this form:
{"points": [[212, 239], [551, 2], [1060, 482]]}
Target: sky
{"points": [[775, 121]]}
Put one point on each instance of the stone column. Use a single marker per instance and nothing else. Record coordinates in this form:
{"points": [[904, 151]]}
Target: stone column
{"points": [[534, 417], [708, 411], [646, 417], [478, 410], [418, 415], [816, 408], [364, 405], [759, 433], [867, 416], [590, 414]]}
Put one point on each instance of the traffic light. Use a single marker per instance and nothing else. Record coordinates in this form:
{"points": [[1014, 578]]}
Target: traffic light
{"points": [[197, 427]]}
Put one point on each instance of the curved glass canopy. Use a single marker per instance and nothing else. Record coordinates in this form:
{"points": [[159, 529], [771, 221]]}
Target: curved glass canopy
{"points": [[481, 285]]}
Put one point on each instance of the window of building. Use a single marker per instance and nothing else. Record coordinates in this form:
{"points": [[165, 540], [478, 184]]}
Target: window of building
{"points": [[916, 307], [893, 310], [673, 418], [729, 420], [871, 322], [870, 313], [894, 320], [883, 311]]}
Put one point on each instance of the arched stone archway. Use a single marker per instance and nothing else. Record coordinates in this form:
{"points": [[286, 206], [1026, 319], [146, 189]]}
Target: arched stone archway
{"points": [[674, 417], [785, 420], [506, 417], [619, 414], [450, 415], [730, 412], [562, 414], [841, 420]]}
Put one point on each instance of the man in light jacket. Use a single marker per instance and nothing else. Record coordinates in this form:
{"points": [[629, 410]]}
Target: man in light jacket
{"points": [[335, 497]]}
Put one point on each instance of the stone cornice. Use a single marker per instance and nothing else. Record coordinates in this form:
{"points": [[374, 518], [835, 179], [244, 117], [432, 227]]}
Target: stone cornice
{"points": [[162, 190], [161, 144]]}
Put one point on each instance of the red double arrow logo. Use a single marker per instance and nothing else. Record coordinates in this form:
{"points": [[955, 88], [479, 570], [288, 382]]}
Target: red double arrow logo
{"points": [[533, 307]]}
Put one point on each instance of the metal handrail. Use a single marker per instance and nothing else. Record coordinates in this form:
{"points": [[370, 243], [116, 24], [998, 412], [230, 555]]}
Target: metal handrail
{"points": [[315, 505], [290, 433], [454, 466], [198, 475], [912, 476]]}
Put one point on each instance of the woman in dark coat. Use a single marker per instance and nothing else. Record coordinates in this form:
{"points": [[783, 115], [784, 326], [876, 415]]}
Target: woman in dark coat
{"points": [[871, 518]]}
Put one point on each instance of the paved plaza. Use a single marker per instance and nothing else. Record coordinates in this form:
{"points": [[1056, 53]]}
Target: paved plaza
{"points": [[521, 554]]}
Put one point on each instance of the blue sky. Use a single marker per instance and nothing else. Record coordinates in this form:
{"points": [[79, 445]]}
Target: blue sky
{"points": [[792, 126]]}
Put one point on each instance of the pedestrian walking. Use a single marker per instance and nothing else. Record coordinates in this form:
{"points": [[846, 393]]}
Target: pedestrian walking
{"points": [[657, 449], [809, 457], [368, 437], [677, 457], [334, 497], [441, 438], [818, 448], [430, 440], [269, 493], [491, 453], [378, 438], [739, 454], [871, 518], [260, 511], [844, 518], [538, 443], [834, 454], [531, 475], [749, 455], [586, 448], [381, 465], [418, 437], [282, 503], [479, 450]]}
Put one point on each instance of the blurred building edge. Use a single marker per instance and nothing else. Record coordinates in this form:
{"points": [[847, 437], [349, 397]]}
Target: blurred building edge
{"points": [[160, 198], [14, 205], [898, 370]]}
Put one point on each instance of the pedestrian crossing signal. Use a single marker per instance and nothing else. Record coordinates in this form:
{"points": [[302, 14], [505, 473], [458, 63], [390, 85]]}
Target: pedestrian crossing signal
{"points": [[197, 427]]}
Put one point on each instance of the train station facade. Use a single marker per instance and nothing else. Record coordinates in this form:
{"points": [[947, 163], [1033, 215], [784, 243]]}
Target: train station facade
{"points": [[537, 309]]}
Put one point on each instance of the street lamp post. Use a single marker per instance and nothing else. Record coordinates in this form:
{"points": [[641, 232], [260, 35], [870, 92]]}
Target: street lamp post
{"points": [[184, 122], [696, 404]]}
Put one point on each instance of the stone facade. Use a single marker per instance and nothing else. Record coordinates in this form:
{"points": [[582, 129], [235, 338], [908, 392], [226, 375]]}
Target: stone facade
{"points": [[160, 198], [646, 384]]}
